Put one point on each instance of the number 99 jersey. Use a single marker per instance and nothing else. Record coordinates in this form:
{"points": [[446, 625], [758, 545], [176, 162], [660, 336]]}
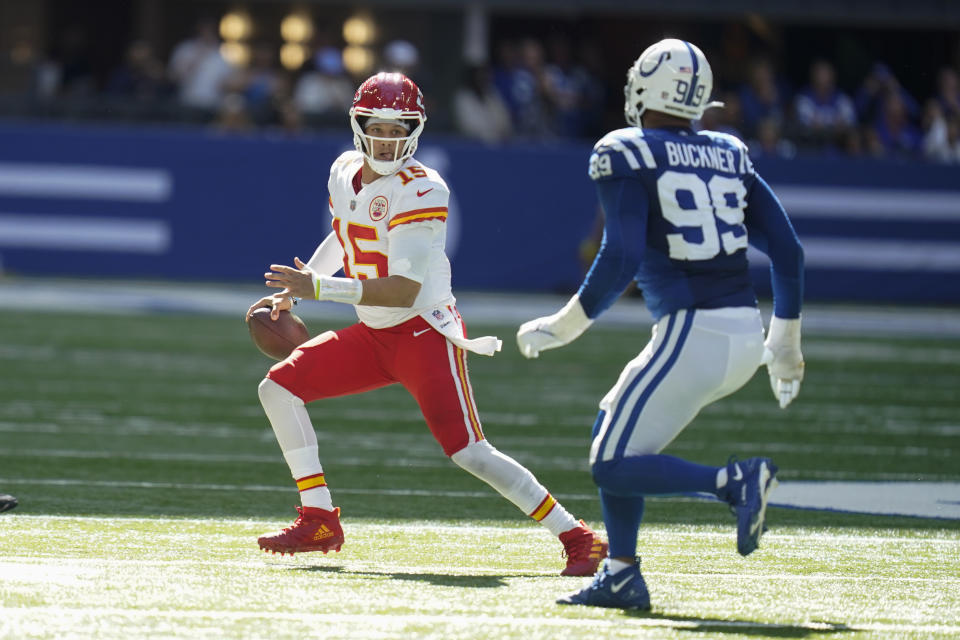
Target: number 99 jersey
{"points": [[697, 187]]}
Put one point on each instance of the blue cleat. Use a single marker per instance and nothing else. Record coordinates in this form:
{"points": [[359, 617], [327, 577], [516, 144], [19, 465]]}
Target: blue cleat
{"points": [[749, 483], [623, 590]]}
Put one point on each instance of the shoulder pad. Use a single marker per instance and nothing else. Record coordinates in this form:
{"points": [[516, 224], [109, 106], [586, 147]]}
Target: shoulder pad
{"points": [[735, 143], [620, 154], [344, 159]]}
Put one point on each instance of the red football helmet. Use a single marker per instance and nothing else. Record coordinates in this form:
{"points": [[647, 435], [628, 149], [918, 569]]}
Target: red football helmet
{"points": [[387, 96]]}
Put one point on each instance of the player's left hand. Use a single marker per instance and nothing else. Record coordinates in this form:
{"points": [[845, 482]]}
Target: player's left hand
{"points": [[277, 302], [297, 281], [784, 360], [550, 332]]}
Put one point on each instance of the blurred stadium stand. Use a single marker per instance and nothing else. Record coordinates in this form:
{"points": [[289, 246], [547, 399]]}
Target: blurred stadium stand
{"points": [[106, 168]]}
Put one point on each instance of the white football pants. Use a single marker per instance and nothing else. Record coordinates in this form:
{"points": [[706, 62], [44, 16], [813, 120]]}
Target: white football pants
{"points": [[694, 358]]}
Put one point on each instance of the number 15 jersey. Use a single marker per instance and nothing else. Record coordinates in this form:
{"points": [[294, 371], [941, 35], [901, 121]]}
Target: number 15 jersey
{"points": [[366, 216]]}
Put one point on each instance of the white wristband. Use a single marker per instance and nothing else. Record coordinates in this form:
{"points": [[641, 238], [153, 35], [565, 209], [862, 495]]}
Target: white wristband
{"points": [[784, 332], [346, 290], [571, 320]]}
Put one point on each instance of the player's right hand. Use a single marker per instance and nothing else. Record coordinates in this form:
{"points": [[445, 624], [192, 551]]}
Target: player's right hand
{"points": [[535, 336], [784, 360], [550, 332], [277, 302]]}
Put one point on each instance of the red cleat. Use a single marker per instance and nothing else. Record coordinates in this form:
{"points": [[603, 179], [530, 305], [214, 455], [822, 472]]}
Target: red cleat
{"points": [[314, 530], [584, 549]]}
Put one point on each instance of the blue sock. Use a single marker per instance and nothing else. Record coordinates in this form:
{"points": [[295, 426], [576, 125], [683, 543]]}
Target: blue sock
{"points": [[621, 515], [655, 474]]}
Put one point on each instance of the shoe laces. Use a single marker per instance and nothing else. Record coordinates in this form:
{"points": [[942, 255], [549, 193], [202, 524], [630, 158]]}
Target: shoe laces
{"points": [[580, 547], [297, 522]]}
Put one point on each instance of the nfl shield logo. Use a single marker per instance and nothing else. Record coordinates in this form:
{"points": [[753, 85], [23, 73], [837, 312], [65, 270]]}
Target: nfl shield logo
{"points": [[438, 314], [353, 205]]}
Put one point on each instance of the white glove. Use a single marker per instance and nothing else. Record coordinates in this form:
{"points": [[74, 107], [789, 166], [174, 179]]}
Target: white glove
{"points": [[781, 354], [554, 331]]}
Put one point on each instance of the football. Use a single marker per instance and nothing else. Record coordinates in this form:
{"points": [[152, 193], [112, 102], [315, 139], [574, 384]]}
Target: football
{"points": [[277, 338]]}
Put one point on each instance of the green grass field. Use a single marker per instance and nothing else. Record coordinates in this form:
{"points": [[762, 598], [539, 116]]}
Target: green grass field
{"points": [[146, 469]]}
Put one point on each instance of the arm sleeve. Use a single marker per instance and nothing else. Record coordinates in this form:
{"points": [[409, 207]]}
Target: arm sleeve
{"points": [[625, 208], [410, 249], [770, 231], [328, 258]]}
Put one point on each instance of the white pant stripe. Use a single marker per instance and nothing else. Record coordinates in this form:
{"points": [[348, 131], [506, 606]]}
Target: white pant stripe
{"points": [[619, 406], [452, 359]]}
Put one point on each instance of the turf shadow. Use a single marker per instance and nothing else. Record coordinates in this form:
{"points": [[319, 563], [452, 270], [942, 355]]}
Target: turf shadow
{"points": [[745, 627], [444, 580]]}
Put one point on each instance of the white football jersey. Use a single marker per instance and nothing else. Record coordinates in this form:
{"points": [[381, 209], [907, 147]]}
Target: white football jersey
{"points": [[363, 222]]}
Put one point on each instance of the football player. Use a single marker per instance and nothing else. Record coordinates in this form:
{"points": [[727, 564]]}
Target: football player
{"points": [[388, 224], [681, 206]]}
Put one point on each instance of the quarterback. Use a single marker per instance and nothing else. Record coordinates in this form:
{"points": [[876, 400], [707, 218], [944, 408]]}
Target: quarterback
{"points": [[388, 219], [680, 208]]}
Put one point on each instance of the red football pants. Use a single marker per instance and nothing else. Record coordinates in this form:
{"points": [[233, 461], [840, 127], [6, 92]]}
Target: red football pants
{"points": [[359, 358]]}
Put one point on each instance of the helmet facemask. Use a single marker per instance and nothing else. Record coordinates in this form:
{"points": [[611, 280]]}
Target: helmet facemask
{"points": [[406, 146]]}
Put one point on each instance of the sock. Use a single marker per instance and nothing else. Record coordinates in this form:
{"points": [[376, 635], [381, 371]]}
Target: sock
{"points": [[515, 483], [655, 474], [721, 478], [622, 516], [306, 471], [615, 566], [557, 519], [298, 442]]}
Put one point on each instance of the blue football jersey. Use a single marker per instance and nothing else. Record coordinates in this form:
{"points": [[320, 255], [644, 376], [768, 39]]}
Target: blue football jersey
{"points": [[684, 196]]}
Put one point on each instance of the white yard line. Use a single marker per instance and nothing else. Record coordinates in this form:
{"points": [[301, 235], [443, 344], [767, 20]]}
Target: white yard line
{"points": [[58, 295], [473, 621], [918, 499]]}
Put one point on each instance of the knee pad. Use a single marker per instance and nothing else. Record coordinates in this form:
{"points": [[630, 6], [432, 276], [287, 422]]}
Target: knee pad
{"points": [[273, 394], [476, 457]]}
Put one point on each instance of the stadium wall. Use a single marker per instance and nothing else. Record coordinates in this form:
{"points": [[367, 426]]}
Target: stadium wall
{"points": [[199, 205]]}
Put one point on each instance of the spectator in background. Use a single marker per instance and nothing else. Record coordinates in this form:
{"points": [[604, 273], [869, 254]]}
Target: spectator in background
{"points": [[593, 91], [948, 92], [68, 71], [233, 116], [562, 88], [769, 142], [893, 134], [573, 89], [401, 56], [941, 137], [199, 70], [259, 84], [507, 63], [531, 109], [141, 77], [726, 119], [879, 82], [323, 89], [825, 115], [478, 110], [762, 97]]}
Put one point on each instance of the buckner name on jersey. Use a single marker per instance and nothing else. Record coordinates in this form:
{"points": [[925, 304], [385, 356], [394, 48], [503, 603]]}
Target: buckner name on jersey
{"points": [[692, 155], [691, 191]]}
